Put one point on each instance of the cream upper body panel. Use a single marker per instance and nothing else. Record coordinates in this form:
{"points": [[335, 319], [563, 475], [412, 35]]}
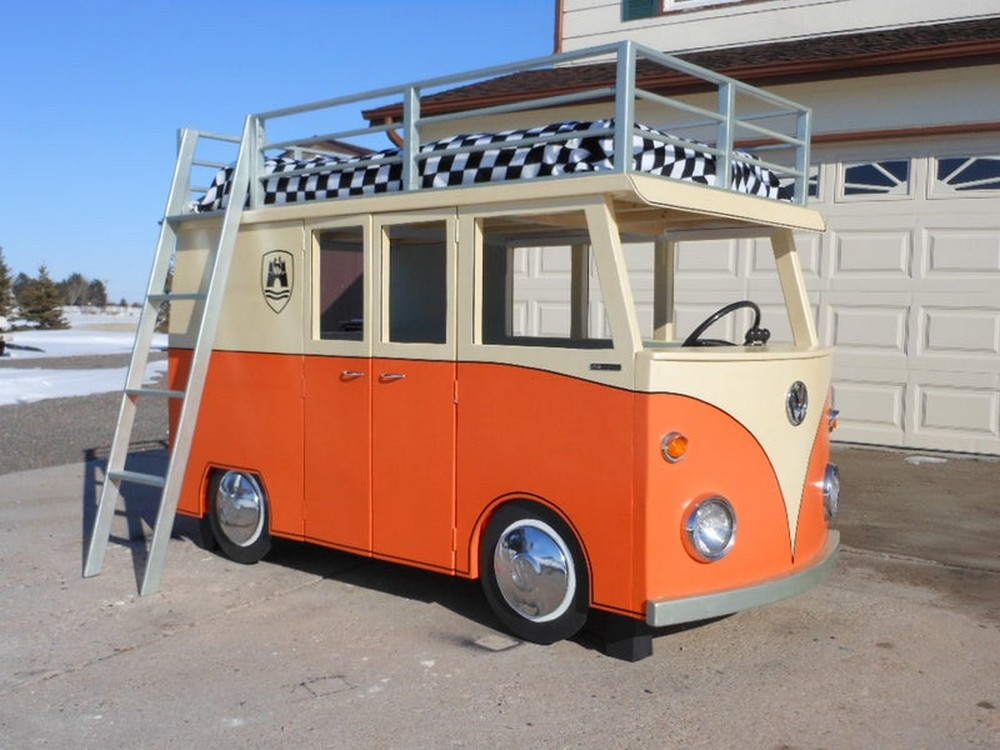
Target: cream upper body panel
{"points": [[253, 318]]}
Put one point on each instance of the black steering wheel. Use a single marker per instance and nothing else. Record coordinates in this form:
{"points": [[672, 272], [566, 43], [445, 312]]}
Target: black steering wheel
{"points": [[755, 335]]}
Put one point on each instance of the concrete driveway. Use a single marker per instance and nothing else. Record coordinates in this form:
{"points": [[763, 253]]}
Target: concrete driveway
{"points": [[900, 648]]}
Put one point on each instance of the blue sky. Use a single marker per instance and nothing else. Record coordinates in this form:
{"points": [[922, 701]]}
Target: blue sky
{"points": [[92, 93]]}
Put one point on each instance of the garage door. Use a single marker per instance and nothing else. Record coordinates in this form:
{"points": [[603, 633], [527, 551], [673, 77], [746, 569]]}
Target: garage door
{"points": [[906, 284]]}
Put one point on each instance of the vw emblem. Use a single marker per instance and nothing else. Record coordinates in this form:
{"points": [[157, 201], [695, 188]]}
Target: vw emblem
{"points": [[797, 403]]}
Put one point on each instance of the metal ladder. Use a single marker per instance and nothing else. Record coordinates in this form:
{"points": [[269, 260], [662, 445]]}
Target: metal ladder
{"points": [[209, 298]]}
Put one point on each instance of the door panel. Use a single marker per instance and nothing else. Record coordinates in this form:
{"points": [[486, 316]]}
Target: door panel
{"points": [[337, 461], [413, 420]]}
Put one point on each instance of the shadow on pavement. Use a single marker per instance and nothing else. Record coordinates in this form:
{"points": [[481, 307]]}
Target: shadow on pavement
{"points": [[138, 505]]}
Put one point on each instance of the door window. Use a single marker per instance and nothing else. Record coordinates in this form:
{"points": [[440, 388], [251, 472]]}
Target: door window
{"points": [[417, 283]]}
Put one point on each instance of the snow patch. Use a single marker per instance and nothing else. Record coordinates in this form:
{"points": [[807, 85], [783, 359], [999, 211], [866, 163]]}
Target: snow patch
{"points": [[25, 385]]}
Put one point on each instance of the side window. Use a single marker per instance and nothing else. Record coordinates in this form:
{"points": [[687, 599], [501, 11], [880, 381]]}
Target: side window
{"points": [[417, 283], [539, 285], [341, 283], [633, 9]]}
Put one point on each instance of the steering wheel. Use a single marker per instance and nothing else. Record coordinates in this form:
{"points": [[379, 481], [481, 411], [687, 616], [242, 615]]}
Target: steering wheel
{"points": [[755, 335]]}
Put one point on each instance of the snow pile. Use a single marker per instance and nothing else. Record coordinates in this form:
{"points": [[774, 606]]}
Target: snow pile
{"points": [[20, 386], [89, 335]]}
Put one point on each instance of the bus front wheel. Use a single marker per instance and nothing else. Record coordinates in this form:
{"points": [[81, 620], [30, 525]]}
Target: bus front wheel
{"points": [[533, 573], [238, 516]]}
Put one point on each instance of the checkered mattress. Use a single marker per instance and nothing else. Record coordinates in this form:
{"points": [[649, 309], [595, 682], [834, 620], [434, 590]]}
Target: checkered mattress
{"points": [[565, 148]]}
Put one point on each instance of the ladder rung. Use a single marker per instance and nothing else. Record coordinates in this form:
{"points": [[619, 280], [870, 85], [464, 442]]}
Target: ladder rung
{"points": [[154, 392], [177, 218], [172, 296], [137, 477]]}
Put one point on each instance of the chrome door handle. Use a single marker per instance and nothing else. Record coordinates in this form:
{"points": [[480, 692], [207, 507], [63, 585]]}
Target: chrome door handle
{"points": [[387, 376], [351, 374]]}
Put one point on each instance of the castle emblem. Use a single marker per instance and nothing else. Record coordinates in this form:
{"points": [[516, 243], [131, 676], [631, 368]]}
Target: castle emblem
{"points": [[276, 279]]}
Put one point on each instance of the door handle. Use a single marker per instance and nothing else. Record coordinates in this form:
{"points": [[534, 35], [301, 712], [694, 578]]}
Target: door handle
{"points": [[386, 377], [351, 374]]}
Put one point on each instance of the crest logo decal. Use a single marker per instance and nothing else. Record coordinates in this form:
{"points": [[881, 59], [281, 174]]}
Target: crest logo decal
{"points": [[276, 278]]}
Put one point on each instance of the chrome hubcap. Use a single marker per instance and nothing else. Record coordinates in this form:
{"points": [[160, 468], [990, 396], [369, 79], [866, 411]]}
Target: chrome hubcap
{"points": [[239, 505], [534, 570]]}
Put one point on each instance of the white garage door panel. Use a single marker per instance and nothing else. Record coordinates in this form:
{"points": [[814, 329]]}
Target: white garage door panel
{"points": [[962, 253], [870, 260], [874, 407], [709, 259], [809, 246], [962, 333], [955, 412], [868, 331]]}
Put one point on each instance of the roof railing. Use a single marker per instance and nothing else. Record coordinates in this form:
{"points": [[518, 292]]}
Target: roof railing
{"points": [[741, 126]]}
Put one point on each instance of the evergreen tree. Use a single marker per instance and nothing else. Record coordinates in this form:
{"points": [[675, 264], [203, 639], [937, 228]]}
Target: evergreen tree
{"points": [[6, 288], [40, 302], [21, 282], [97, 294]]}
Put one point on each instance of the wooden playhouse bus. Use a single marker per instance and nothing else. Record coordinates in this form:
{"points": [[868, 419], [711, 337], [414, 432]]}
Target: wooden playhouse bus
{"points": [[471, 352]]}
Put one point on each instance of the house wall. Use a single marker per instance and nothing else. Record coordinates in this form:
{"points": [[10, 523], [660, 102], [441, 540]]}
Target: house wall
{"points": [[586, 23]]}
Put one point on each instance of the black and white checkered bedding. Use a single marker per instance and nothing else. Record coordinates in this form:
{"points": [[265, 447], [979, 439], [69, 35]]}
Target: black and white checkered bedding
{"points": [[566, 149]]}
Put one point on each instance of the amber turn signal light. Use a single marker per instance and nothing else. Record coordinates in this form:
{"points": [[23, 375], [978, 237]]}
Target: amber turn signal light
{"points": [[674, 447]]}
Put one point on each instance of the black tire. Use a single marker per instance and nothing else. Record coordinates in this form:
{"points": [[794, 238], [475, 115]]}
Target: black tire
{"points": [[534, 574], [239, 516]]}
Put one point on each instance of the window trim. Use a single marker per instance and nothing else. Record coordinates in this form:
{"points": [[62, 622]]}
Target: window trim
{"points": [[382, 345], [338, 347]]}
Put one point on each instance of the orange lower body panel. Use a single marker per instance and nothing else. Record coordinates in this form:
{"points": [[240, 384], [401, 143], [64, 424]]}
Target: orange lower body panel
{"points": [[410, 468], [250, 418]]}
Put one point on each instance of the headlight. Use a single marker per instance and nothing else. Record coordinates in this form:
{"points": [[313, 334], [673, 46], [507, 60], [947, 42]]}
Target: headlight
{"points": [[710, 529], [831, 491]]}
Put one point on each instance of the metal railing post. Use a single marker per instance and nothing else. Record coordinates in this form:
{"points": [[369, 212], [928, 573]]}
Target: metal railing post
{"points": [[727, 105], [411, 139], [803, 127], [624, 106]]}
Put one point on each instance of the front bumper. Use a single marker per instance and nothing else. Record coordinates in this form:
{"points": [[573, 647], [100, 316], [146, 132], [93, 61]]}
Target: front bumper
{"points": [[693, 608]]}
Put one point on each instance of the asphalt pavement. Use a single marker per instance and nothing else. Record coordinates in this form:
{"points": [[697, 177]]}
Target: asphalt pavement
{"points": [[900, 648]]}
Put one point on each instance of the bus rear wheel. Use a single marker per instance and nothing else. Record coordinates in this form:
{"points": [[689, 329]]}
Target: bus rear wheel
{"points": [[238, 516], [533, 573]]}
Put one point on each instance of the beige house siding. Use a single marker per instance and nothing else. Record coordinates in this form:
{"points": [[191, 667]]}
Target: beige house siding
{"points": [[585, 23]]}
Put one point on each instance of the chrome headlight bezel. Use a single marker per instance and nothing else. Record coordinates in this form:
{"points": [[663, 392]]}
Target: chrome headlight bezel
{"points": [[831, 491], [710, 528]]}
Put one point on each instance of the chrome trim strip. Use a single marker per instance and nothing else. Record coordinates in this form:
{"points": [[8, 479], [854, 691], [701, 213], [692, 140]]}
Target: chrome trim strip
{"points": [[675, 611]]}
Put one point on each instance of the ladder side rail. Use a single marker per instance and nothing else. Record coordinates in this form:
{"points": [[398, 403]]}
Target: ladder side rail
{"points": [[111, 488], [204, 344]]}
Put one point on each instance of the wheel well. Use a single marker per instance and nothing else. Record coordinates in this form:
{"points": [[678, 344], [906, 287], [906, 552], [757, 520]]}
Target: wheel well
{"points": [[540, 505], [215, 470]]}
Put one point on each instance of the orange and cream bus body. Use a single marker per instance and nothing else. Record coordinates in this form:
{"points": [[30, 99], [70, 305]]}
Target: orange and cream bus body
{"points": [[502, 381]]}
